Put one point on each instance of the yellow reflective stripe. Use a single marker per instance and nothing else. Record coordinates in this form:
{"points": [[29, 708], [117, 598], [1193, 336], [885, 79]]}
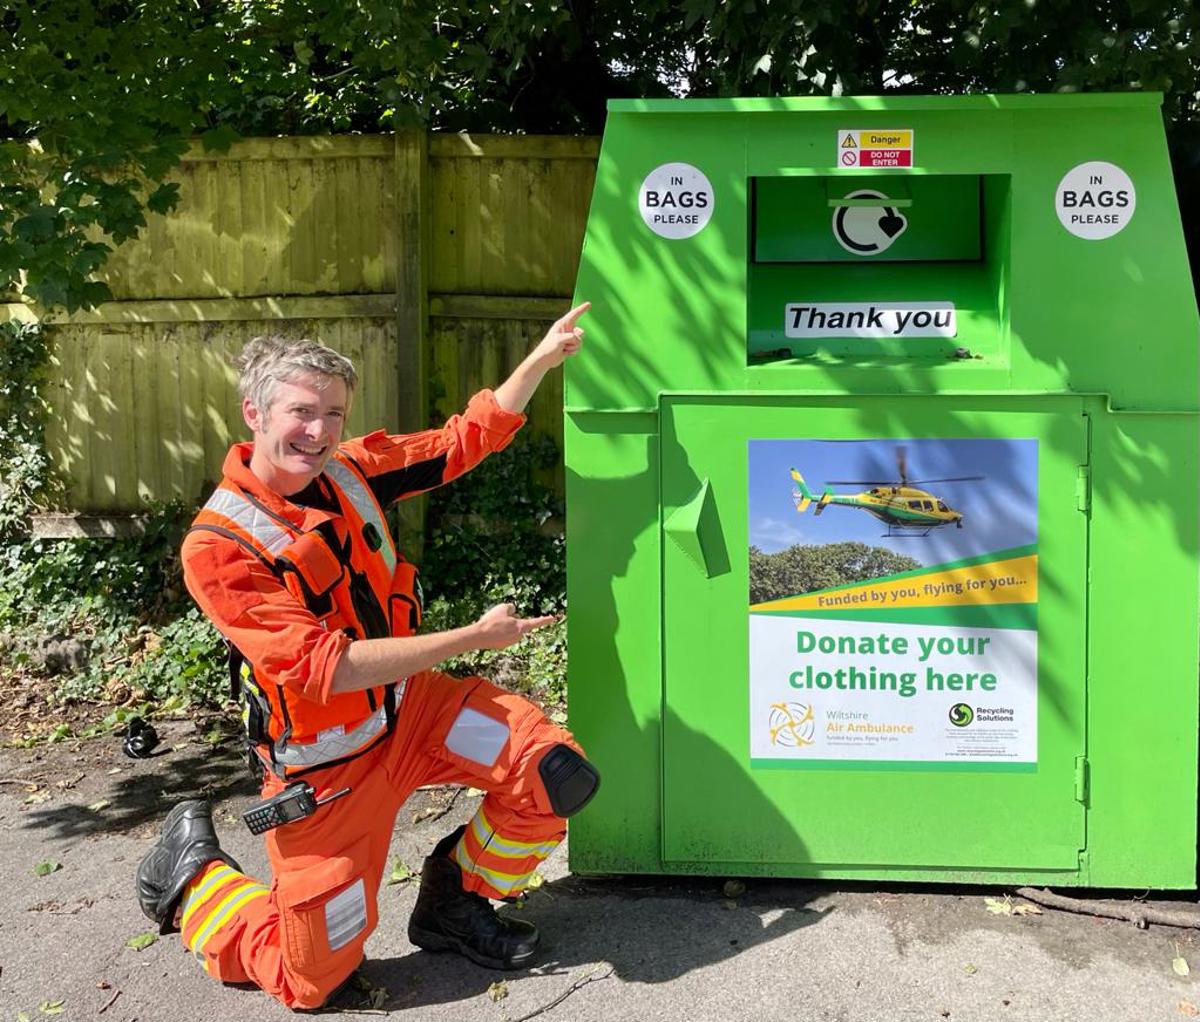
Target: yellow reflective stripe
{"points": [[505, 883], [193, 900], [493, 844], [220, 915]]}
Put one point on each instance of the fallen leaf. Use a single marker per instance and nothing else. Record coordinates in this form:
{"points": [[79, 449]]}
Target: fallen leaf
{"points": [[1188, 1008], [1027, 909], [95, 807], [535, 881], [1180, 965], [729, 904], [142, 940], [733, 889], [969, 969], [475, 792], [104, 985], [115, 770], [23, 1016], [43, 869], [401, 872], [1000, 908], [425, 813], [498, 991], [51, 1007], [377, 997]]}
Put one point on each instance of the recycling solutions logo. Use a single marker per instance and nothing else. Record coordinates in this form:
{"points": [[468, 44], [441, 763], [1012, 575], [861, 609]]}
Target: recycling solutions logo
{"points": [[791, 725], [961, 715]]}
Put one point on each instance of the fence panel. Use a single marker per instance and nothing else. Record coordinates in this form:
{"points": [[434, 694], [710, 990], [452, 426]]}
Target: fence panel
{"points": [[297, 216], [434, 262]]}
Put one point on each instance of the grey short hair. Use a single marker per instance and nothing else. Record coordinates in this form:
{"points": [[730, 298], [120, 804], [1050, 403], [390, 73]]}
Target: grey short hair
{"points": [[266, 362]]}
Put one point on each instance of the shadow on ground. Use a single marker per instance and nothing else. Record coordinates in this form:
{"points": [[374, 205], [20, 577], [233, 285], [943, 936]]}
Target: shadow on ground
{"points": [[584, 922]]}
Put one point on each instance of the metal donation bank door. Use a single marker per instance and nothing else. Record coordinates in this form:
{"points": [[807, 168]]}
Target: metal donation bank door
{"points": [[881, 493]]}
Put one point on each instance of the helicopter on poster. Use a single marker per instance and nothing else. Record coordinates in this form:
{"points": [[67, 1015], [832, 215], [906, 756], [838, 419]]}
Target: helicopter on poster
{"points": [[905, 509]]}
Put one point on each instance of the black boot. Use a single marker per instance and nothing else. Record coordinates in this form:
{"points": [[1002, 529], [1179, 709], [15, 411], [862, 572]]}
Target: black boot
{"points": [[188, 842], [447, 918]]}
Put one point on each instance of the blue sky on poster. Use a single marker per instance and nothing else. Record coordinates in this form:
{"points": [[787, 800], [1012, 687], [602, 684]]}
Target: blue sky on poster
{"points": [[999, 511]]}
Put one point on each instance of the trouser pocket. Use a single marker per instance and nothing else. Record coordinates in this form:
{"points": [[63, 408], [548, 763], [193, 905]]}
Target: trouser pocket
{"points": [[327, 910]]}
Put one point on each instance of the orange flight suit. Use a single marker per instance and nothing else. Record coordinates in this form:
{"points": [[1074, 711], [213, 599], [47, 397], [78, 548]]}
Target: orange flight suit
{"points": [[290, 583]]}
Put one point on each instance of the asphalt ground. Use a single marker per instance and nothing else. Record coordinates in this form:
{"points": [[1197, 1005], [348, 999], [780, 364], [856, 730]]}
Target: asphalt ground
{"points": [[614, 948]]}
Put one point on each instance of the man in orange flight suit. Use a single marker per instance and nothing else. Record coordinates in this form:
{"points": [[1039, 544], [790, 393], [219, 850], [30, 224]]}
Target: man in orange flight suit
{"points": [[292, 561]]}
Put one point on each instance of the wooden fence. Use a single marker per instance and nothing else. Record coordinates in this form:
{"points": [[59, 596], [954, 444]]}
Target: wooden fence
{"points": [[433, 261]]}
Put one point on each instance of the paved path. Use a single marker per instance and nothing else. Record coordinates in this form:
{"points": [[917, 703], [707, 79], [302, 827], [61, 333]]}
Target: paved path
{"points": [[632, 948]]}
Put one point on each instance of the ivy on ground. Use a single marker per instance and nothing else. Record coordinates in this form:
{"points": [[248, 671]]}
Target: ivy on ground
{"points": [[27, 480], [133, 637], [120, 608], [496, 536]]}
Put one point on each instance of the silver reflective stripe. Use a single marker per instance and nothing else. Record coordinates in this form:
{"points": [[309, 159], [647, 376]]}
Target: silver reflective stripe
{"points": [[248, 517], [346, 915], [477, 737], [331, 745], [364, 504]]}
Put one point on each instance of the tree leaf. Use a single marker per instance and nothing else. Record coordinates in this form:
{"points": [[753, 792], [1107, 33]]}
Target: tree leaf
{"points": [[219, 139], [733, 889], [142, 940], [401, 872], [164, 198], [1180, 966], [95, 807], [970, 969], [51, 1007], [1188, 1008], [535, 881], [498, 991], [1027, 908], [1000, 908], [46, 868]]}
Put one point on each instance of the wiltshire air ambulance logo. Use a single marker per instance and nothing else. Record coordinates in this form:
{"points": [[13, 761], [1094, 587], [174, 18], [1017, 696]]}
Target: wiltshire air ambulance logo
{"points": [[791, 725]]}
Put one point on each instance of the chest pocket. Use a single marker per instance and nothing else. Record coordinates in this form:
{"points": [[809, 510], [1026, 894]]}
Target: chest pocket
{"points": [[310, 570], [404, 600]]}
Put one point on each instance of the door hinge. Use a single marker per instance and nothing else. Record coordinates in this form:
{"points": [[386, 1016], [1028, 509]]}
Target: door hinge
{"points": [[1081, 779], [1083, 488]]}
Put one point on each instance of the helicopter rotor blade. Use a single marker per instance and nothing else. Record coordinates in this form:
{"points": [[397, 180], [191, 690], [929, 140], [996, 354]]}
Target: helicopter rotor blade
{"points": [[862, 482], [902, 464], [948, 479]]}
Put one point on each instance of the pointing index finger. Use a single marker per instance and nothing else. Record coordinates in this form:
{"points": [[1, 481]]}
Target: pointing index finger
{"points": [[568, 321]]}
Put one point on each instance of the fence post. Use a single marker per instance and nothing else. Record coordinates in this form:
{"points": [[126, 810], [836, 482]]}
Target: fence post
{"points": [[412, 306]]}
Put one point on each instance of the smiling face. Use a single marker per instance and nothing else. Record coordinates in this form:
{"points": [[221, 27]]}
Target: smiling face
{"points": [[299, 431]]}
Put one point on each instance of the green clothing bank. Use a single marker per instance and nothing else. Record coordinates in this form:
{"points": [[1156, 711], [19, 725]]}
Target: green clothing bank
{"points": [[882, 477]]}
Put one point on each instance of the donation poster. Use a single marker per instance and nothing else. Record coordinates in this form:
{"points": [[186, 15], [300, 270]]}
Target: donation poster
{"points": [[893, 604]]}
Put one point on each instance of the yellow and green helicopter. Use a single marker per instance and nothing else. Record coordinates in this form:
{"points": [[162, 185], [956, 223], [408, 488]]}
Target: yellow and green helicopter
{"points": [[904, 509]]}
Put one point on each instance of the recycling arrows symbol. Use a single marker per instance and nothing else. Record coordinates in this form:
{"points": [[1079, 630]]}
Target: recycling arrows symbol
{"points": [[868, 230]]}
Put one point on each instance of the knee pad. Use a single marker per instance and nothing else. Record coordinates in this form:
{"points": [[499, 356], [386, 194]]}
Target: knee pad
{"points": [[569, 779]]}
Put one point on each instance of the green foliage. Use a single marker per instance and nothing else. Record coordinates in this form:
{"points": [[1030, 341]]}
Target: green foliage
{"points": [[805, 569], [26, 478], [124, 600], [495, 536], [99, 99]]}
